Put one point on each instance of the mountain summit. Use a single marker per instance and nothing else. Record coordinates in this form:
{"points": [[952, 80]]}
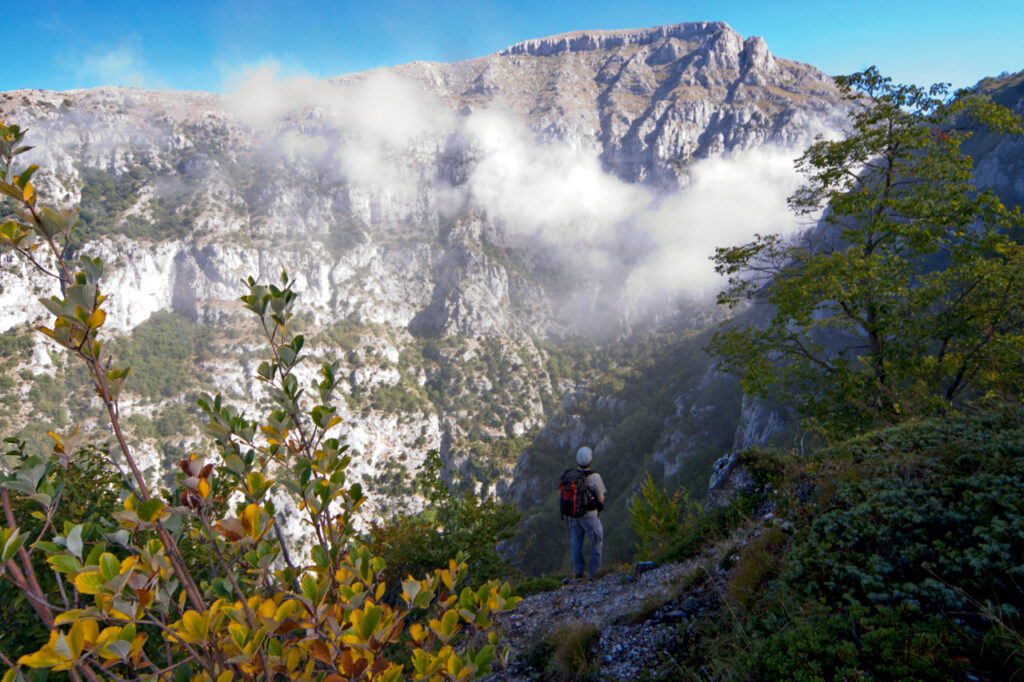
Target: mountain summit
{"points": [[649, 100]]}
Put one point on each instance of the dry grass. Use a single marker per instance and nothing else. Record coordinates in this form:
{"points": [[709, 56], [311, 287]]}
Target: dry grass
{"points": [[757, 561], [571, 648]]}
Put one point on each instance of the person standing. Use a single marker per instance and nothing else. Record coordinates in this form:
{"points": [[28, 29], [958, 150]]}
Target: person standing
{"points": [[588, 525]]}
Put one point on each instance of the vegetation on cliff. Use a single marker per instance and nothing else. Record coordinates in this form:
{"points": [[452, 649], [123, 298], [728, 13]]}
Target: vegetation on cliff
{"points": [[197, 582]]}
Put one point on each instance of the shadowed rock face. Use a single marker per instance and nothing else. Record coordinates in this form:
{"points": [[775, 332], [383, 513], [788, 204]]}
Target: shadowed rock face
{"points": [[999, 160]]}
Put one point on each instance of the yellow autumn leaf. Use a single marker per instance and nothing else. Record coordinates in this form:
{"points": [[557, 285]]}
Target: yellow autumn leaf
{"points": [[67, 617], [46, 657], [194, 624], [82, 634], [97, 319], [266, 608], [129, 563], [251, 521], [138, 642], [109, 634], [89, 582]]}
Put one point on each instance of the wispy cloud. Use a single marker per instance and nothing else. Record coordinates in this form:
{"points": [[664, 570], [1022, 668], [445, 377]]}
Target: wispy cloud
{"points": [[121, 65], [632, 245]]}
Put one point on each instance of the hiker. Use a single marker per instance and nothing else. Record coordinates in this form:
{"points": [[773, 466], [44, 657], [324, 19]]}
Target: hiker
{"points": [[587, 524]]}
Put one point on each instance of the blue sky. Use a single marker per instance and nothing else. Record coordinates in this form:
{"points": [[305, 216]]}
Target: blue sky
{"points": [[192, 44]]}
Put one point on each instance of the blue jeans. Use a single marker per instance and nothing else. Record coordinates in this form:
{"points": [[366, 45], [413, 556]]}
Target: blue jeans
{"points": [[586, 526]]}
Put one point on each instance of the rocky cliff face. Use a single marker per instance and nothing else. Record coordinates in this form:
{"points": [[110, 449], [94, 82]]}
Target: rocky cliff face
{"points": [[999, 160], [450, 226]]}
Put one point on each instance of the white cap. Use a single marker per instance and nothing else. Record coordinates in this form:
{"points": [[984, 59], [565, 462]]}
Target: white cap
{"points": [[584, 456]]}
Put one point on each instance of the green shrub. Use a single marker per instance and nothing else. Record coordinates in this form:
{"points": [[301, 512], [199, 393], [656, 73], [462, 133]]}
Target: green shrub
{"points": [[757, 561], [654, 516], [86, 488], [533, 585], [931, 535], [700, 527], [904, 565], [415, 543], [15, 345], [862, 643]]}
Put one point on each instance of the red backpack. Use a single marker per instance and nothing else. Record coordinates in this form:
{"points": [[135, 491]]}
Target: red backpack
{"points": [[575, 498]]}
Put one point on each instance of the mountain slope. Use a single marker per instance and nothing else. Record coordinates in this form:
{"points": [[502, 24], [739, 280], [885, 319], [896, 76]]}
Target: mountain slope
{"points": [[502, 253]]}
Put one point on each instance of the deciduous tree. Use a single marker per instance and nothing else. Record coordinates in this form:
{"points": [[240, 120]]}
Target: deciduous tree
{"points": [[908, 298]]}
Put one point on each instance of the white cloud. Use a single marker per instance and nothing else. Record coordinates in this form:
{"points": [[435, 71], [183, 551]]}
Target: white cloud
{"points": [[729, 199], [661, 243], [634, 243], [550, 190], [369, 126], [121, 66]]}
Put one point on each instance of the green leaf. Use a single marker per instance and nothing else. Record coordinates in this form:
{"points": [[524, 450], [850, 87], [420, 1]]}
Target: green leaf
{"points": [[26, 175], [319, 556], [48, 547], [234, 464], [95, 553], [74, 540], [449, 622], [149, 511], [13, 544], [309, 589], [11, 190], [63, 563], [110, 567], [370, 621]]}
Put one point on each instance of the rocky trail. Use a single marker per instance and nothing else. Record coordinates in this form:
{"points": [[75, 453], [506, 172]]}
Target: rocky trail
{"points": [[641, 617]]}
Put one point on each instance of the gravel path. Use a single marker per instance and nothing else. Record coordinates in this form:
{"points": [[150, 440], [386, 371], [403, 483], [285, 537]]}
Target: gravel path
{"points": [[639, 617]]}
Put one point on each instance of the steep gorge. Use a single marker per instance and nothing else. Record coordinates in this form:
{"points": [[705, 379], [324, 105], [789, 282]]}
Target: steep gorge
{"points": [[507, 255]]}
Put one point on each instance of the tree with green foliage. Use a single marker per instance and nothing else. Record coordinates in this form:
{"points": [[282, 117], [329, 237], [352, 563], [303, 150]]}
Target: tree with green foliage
{"points": [[120, 599], [419, 542], [908, 299]]}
